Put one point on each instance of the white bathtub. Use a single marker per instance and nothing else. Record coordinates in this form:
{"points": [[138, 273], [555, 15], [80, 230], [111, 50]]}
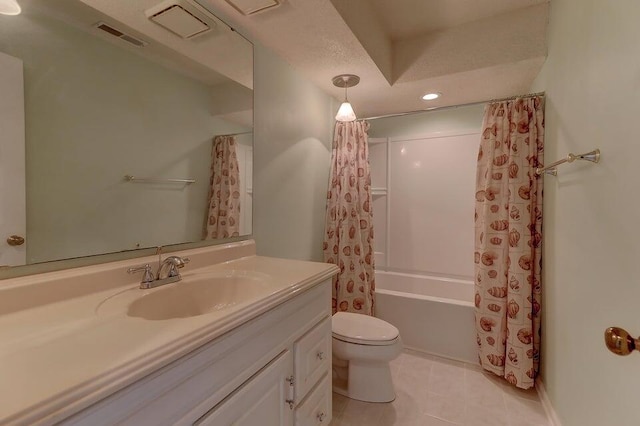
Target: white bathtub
{"points": [[434, 314]]}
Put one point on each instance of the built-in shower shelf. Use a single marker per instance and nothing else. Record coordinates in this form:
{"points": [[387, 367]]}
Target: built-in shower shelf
{"points": [[378, 191]]}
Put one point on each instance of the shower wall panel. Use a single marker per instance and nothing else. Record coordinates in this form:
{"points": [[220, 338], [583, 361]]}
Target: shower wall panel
{"points": [[431, 187]]}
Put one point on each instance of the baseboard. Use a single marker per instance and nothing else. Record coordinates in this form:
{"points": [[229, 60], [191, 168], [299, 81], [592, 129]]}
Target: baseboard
{"points": [[438, 355], [546, 403]]}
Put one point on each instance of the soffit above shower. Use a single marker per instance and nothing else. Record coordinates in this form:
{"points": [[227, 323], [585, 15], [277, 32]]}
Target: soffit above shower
{"points": [[470, 50]]}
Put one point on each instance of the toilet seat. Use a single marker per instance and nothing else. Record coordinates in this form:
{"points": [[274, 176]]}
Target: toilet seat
{"points": [[363, 330]]}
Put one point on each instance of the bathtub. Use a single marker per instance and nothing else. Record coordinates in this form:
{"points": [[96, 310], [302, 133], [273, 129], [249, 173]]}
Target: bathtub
{"points": [[434, 314]]}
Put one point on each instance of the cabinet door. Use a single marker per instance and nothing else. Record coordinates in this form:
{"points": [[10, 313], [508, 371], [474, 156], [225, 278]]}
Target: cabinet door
{"points": [[261, 401], [312, 357]]}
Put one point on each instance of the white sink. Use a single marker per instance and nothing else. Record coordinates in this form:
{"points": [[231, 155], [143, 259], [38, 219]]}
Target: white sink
{"points": [[194, 295]]}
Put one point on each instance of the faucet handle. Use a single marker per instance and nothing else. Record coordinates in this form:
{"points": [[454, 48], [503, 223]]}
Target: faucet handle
{"points": [[147, 275]]}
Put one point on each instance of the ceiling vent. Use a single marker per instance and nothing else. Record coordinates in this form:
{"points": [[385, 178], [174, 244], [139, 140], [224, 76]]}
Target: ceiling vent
{"points": [[120, 34], [182, 17], [249, 7]]}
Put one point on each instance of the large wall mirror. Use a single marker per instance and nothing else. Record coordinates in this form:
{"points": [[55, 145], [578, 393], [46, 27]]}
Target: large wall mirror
{"points": [[117, 106]]}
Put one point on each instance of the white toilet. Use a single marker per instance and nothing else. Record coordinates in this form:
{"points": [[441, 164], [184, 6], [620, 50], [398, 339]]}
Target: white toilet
{"points": [[363, 346]]}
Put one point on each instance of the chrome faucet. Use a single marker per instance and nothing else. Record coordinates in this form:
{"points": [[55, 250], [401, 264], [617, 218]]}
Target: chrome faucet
{"points": [[167, 271], [169, 267]]}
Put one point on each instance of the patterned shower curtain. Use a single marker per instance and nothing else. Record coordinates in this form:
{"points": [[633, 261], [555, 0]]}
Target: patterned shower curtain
{"points": [[508, 226], [348, 240], [223, 218]]}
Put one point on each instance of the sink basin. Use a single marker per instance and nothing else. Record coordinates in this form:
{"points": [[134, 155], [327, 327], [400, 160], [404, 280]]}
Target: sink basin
{"points": [[196, 294]]}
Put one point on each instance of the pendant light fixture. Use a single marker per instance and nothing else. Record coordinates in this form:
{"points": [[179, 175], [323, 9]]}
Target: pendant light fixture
{"points": [[9, 7], [345, 112]]}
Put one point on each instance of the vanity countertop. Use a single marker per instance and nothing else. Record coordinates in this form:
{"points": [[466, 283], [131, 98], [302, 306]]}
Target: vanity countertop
{"points": [[58, 358]]}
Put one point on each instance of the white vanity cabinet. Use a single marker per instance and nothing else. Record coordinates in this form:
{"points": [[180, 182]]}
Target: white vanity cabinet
{"points": [[275, 369], [262, 401]]}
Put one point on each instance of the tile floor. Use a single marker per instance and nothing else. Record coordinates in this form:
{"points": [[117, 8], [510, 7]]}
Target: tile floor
{"points": [[432, 391]]}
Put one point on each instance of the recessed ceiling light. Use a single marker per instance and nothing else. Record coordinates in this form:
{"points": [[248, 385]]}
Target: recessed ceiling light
{"points": [[431, 96]]}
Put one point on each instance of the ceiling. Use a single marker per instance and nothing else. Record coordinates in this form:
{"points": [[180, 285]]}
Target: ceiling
{"points": [[469, 50]]}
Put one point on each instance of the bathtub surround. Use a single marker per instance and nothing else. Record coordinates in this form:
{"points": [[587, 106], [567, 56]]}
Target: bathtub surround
{"points": [[223, 218], [349, 221], [434, 314], [423, 180], [508, 236]]}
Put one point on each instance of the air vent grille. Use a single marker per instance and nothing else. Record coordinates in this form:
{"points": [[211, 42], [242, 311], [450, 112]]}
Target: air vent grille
{"points": [[121, 35], [249, 7], [180, 21]]}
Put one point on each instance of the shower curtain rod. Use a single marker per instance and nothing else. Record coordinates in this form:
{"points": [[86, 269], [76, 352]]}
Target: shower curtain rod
{"points": [[237, 134], [400, 114]]}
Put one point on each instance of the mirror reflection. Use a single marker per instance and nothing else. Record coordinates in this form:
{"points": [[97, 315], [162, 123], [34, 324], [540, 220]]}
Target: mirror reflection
{"points": [[122, 126]]}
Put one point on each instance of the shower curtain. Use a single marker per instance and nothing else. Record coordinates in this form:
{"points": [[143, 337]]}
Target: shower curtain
{"points": [[348, 240], [223, 218], [508, 226]]}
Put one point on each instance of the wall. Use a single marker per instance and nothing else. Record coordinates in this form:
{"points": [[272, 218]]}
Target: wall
{"points": [[293, 131], [591, 236], [459, 119], [95, 112]]}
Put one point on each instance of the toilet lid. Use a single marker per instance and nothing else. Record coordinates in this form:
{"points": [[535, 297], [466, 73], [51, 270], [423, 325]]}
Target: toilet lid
{"points": [[360, 328]]}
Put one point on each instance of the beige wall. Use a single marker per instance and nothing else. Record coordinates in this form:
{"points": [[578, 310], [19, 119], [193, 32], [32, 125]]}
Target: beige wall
{"points": [[293, 130], [591, 233]]}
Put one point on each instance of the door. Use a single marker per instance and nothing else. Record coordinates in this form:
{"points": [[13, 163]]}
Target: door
{"points": [[12, 163], [261, 401]]}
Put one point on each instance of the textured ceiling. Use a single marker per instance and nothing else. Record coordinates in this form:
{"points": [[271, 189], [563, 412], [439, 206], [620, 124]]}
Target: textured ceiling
{"points": [[222, 59], [470, 50], [201, 55]]}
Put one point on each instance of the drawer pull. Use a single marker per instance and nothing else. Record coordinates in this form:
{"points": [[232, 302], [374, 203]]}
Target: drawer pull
{"points": [[321, 417], [320, 355]]}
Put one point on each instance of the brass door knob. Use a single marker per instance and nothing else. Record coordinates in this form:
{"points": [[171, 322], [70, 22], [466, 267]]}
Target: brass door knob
{"points": [[15, 240], [620, 342]]}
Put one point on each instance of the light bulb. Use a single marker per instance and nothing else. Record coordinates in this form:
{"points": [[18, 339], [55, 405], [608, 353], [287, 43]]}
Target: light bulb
{"points": [[431, 96], [345, 113]]}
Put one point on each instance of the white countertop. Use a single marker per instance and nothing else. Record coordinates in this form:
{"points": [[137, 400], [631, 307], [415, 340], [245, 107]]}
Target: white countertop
{"points": [[58, 358]]}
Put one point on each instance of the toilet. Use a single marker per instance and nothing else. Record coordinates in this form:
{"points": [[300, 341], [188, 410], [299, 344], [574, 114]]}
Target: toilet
{"points": [[363, 346]]}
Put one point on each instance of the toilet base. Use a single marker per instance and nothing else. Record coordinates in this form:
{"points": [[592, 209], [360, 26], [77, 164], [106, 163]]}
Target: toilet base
{"points": [[368, 382]]}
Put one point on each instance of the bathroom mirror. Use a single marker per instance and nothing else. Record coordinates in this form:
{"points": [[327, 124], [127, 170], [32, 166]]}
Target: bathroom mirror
{"points": [[112, 89]]}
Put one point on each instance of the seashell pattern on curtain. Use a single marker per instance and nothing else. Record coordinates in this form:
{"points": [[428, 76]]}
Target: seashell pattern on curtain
{"points": [[508, 236], [223, 217], [348, 240]]}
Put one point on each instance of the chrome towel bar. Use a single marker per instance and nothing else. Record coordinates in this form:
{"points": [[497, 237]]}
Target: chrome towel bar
{"points": [[131, 178], [552, 169]]}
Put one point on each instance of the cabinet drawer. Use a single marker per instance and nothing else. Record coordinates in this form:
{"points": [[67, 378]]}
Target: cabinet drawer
{"points": [[312, 355], [316, 408]]}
